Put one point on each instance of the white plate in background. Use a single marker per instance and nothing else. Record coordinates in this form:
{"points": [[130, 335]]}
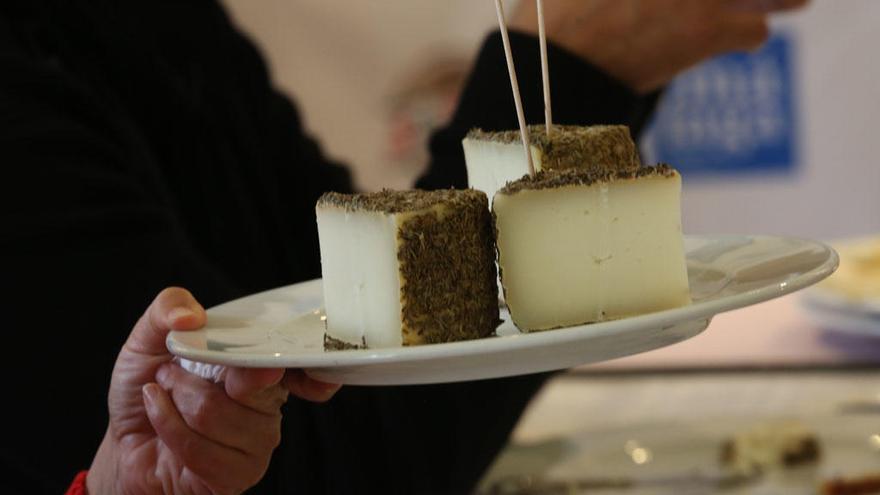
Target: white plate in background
{"points": [[831, 311], [849, 301]]}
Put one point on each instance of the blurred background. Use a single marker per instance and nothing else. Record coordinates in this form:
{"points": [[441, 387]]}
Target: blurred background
{"points": [[780, 141]]}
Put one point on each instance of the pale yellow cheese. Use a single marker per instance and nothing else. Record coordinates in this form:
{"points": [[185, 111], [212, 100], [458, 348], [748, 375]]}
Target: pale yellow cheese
{"points": [[591, 252]]}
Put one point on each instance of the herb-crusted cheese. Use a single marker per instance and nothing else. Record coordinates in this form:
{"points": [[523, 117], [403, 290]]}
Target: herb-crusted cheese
{"points": [[407, 267], [581, 246], [495, 158]]}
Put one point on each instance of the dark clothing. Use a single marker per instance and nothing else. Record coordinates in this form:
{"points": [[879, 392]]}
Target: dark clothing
{"points": [[141, 146]]}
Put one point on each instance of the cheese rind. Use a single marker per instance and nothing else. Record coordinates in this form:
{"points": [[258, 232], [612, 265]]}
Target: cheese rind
{"points": [[577, 247], [495, 158], [407, 267]]}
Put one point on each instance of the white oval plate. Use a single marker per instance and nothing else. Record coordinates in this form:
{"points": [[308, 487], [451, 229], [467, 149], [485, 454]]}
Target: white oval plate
{"points": [[283, 327]]}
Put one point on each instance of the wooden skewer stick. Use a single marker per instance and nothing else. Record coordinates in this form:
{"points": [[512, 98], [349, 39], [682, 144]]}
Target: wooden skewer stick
{"points": [[545, 68], [514, 84]]}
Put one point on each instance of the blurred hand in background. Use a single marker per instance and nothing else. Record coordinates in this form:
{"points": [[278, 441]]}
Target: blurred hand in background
{"points": [[645, 43]]}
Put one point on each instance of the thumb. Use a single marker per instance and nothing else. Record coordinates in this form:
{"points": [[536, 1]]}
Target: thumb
{"points": [[173, 309]]}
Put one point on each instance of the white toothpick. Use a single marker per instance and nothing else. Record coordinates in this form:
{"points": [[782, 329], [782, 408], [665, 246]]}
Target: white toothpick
{"points": [[515, 86], [545, 67]]}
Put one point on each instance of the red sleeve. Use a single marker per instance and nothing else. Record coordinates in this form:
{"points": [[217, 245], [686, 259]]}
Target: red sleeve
{"points": [[78, 487]]}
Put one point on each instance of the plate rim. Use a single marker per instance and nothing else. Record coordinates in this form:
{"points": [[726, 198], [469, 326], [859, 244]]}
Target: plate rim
{"points": [[703, 310]]}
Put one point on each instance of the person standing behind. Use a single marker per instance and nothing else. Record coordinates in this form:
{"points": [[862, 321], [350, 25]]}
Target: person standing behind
{"points": [[142, 146]]}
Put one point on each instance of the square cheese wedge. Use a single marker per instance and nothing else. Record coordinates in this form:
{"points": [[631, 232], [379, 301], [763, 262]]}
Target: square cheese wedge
{"points": [[407, 268], [579, 246], [495, 158]]}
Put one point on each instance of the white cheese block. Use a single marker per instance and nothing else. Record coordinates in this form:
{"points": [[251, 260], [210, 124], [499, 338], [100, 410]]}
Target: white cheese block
{"points": [[577, 247], [406, 267], [495, 158]]}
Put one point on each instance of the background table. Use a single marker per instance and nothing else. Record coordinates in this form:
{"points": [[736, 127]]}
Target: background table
{"points": [[762, 363]]}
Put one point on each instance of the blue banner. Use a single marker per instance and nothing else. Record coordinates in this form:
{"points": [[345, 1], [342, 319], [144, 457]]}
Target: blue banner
{"points": [[734, 114]]}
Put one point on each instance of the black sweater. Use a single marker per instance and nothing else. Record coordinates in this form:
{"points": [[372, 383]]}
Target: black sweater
{"points": [[142, 145]]}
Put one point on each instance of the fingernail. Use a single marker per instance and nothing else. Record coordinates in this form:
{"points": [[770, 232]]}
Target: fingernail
{"points": [[149, 391], [180, 312], [162, 374]]}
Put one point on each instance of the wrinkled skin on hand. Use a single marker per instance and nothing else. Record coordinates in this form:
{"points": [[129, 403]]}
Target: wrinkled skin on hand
{"points": [[645, 43], [173, 432]]}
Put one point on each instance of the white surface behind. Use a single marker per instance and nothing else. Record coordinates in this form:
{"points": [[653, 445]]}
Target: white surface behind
{"points": [[835, 191]]}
